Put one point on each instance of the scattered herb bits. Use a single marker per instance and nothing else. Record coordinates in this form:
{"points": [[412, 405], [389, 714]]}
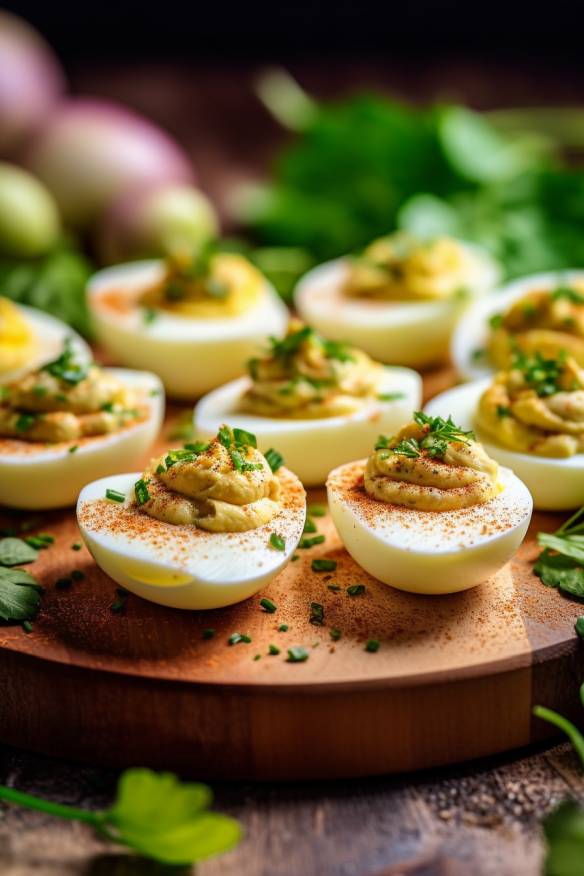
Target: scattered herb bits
{"points": [[372, 645], [76, 546], [323, 565], [257, 657], [283, 628], [239, 638], [307, 543], [316, 615], [16, 552], [356, 589], [273, 650], [268, 605], [274, 459], [297, 654], [309, 525], [334, 587], [335, 634], [277, 542], [209, 633], [119, 603], [317, 510], [141, 491], [114, 495], [579, 627]]}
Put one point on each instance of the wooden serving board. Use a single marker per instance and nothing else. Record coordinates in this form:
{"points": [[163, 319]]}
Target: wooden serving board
{"points": [[455, 678]]}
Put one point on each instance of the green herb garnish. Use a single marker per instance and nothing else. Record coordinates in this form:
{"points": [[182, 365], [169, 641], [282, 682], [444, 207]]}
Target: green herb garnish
{"points": [[561, 563], [496, 321], [307, 543], [76, 546], [114, 495], [316, 615], [503, 411], [16, 552], [579, 627], [238, 638], [154, 814], [149, 315], [567, 294], [309, 525], [356, 589], [317, 510], [283, 628], [66, 367], [141, 491], [277, 542], [273, 650], [243, 438], [209, 633], [20, 595], [73, 449], [335, 634], [24, 422], [391, 396], [268, 605], [297, 654], [323, 565], [274, 459], [540, 374], [372, 646]]}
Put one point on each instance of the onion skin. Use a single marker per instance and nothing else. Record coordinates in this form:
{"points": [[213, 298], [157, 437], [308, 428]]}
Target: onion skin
{"points": [[31, 82], [91, 150], [29, 219], [155, 221]]}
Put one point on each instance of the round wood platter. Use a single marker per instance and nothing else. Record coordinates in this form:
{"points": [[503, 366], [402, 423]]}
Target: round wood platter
{"points": [[455, 677]]}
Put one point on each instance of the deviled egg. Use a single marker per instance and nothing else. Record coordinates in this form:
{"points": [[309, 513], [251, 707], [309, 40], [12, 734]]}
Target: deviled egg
{"points": [[429, 511], [29, 338], [541, 313], [193, 319], [399, 300], [319, 402], [65, 423], [530, 418], [203, 527]]}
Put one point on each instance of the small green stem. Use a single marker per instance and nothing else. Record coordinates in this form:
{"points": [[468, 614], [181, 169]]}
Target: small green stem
{"points": [[571, 520], [11, 795], [562, 723]]}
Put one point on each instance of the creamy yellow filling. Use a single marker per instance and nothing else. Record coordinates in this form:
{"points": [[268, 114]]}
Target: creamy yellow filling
{"points": [[224, 486], [223, 285], [542, 416], [419, 468], [543, 321], [304, 376], [400, 268], [18, 343]]}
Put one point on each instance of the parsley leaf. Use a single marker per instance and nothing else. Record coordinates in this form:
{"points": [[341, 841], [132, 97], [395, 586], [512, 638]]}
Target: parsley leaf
{"points": [[20, 595], [16, 552]]}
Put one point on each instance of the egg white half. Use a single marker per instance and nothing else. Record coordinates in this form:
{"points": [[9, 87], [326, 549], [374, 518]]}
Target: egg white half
{"points": [[428, 552], [191, 356], [50, 335], [413, 333], [555, 484], [39, 477], [312, 447], [182, 566], [472, 332]]}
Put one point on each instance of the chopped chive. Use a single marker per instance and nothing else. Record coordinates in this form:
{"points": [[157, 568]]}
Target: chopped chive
{"points": [[25, 422], [244, 439], [335, 634], [356, 589], [76, 546], [73, 449], [274, 459], [119, 604], [236, 638], [317, 510], [258, 657], [323, 565], [316, 615], [114, 496], [273, 650], [283, 628], [391, 396], [309, 525], [268, 605], [39, 541], [334, 587], [149, 316], [224, 436], [372, 645], [27, 626], [208, 633], [141, 491], [39, 391], [503, 411], [306, 543], [108, 407], [297, 654], [277, 542]]}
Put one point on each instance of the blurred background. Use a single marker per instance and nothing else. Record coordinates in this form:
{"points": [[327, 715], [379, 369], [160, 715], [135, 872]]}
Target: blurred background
{"points": [[311, 127]]}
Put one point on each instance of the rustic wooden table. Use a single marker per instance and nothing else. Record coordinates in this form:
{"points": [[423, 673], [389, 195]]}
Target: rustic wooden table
{"points": [[482, 817]]}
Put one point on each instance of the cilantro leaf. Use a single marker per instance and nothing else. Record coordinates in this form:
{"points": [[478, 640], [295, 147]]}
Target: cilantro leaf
{"points": [[19, 598], [556, 570]]}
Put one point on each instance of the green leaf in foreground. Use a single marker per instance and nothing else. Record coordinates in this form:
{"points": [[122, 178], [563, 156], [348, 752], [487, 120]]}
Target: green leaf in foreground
{"points": [[556, 570], [20, 595], [564, 834], [16, 552], [154, 814]]}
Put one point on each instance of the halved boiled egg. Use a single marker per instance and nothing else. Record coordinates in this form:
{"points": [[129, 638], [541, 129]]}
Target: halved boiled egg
{"points": [[428, 512], [72, 446], [167, 539], [30, 337], [556, 482], [195, 331], [540, 313], [400, 300], [318, 403]]}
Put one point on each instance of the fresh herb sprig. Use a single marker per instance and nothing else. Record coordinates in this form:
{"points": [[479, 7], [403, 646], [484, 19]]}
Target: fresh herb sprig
{"points": [[561, 563], [154, 814], [67, 366], [541, 374], [439, 434]]}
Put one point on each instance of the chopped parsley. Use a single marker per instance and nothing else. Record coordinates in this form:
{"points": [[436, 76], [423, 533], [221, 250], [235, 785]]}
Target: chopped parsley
{"points": [[24, 422], [114, 496], [335, 634], [439, 434], [372, 645], [283, 628], [540, 374], [76, 546], [323, 565], [141, 491], [273, 650], [274, 459], [297, 654], [309, 525], [306, 543], [268, 605], [66, 368]]}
